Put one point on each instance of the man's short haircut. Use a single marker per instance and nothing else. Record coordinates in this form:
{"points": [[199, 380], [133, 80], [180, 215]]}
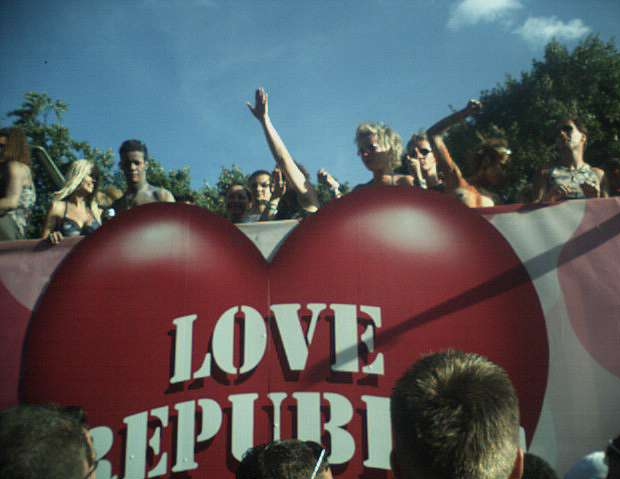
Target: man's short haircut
{"points": [[535, 467], [456, 415], [290, 459], [133, 145], [42, 441]]}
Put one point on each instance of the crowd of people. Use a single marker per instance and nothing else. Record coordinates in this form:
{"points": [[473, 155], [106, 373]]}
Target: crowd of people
{"points": [[455, 415], [287, 192]]}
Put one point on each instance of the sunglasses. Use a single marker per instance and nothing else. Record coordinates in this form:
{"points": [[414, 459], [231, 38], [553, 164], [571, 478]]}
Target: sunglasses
{"points": [[368, 149], [566, 129], [424, 151]]}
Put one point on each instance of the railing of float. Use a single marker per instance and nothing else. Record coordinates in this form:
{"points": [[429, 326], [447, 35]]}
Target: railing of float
{"points": [[50, 165], [173, 317]]}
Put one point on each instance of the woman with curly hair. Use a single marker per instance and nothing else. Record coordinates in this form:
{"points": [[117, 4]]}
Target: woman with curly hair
{"points": [[74, 211], [17, 191]]}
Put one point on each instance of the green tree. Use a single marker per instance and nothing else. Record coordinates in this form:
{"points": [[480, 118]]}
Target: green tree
{"points": [[34, 117], [214, 197], [584, 82]]}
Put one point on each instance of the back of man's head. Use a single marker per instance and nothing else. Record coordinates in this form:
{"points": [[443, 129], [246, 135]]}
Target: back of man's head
{"points": [[455, 416], [41, 442], [290, 459]]}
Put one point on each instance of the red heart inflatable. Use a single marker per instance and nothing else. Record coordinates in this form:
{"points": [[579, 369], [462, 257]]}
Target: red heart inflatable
{"points": [[168, 326]]}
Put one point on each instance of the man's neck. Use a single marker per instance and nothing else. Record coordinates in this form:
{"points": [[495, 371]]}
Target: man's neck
{"points": [[134, 188]]}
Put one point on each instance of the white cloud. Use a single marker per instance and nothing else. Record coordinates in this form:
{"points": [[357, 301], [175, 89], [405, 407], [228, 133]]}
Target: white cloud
{"points": [[539, 30], [472, 12]]}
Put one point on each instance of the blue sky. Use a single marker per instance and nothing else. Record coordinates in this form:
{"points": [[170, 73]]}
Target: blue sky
{"points": [[177, 73]]}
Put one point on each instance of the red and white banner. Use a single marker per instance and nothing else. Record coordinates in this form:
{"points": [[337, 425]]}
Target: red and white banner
{"points": [[186, 346]]}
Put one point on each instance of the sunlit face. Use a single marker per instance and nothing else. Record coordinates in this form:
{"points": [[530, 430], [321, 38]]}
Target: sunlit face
{"points": [[88, 184], [375, 156], [134, 167], [422, 151], [569, 136], [237, 201], [260, 186]]}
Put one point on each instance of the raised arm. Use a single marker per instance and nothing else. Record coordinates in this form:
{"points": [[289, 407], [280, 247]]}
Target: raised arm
{"points": [[453, 175], [305, 192]]}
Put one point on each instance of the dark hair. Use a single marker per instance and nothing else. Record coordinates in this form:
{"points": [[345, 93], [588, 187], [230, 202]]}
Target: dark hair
{"points": [[414, 140], [133, 145], [290, 459], [42, 441], [248, 467], [456, 415], [257, 173], [17, 148], [535, 467], [489, 153]]}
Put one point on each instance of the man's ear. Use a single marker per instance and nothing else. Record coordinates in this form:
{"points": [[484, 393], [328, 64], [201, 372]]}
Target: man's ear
{"points": [[517, 470]]}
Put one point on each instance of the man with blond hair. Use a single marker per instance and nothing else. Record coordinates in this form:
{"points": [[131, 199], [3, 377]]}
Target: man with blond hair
{"points": [[455, 415]]}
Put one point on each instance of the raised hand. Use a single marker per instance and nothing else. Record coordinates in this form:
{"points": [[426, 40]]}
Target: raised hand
{"points": [[328, 180], [278, 184], [261, 105]]}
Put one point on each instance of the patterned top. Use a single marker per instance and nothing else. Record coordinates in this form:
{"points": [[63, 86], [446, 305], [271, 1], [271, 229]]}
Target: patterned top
{"points": [[21, 214], [573, 179]]}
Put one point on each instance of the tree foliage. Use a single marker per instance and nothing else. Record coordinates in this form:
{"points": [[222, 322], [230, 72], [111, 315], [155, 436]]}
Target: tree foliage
{"points": [[33, 117], [584, 83]]}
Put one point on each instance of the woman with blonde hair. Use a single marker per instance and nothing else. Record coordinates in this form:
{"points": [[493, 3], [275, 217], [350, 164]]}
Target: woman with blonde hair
{"points": [[380, 149], [17, 191], [74, 211]]}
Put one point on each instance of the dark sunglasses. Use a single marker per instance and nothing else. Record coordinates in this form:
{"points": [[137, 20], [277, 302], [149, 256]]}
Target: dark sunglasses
{"points": [[566, 129], [424, 151], [368, 148]]}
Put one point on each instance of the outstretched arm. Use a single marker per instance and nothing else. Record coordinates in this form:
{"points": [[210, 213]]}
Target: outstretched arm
{"points": [[453, 175], [305, 192]]}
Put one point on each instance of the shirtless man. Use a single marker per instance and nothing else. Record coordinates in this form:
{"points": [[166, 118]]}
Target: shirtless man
{"points": [[134, 164]]}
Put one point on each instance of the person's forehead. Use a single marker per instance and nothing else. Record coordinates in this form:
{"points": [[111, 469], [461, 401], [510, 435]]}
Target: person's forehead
{"points": [[135, 155], [262, 178]]}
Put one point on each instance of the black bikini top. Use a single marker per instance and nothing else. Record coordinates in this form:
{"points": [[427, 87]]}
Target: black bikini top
{"points": [[69, 227]]}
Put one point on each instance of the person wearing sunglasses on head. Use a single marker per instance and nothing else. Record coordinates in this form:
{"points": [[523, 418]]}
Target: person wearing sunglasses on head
{"points": [[491, 161], [571, 177]]}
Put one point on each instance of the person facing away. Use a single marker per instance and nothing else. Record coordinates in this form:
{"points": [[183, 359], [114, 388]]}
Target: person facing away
{"points": [[134, 163], [17, 190], [44, 442], [289, 459], [455, 415]]}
